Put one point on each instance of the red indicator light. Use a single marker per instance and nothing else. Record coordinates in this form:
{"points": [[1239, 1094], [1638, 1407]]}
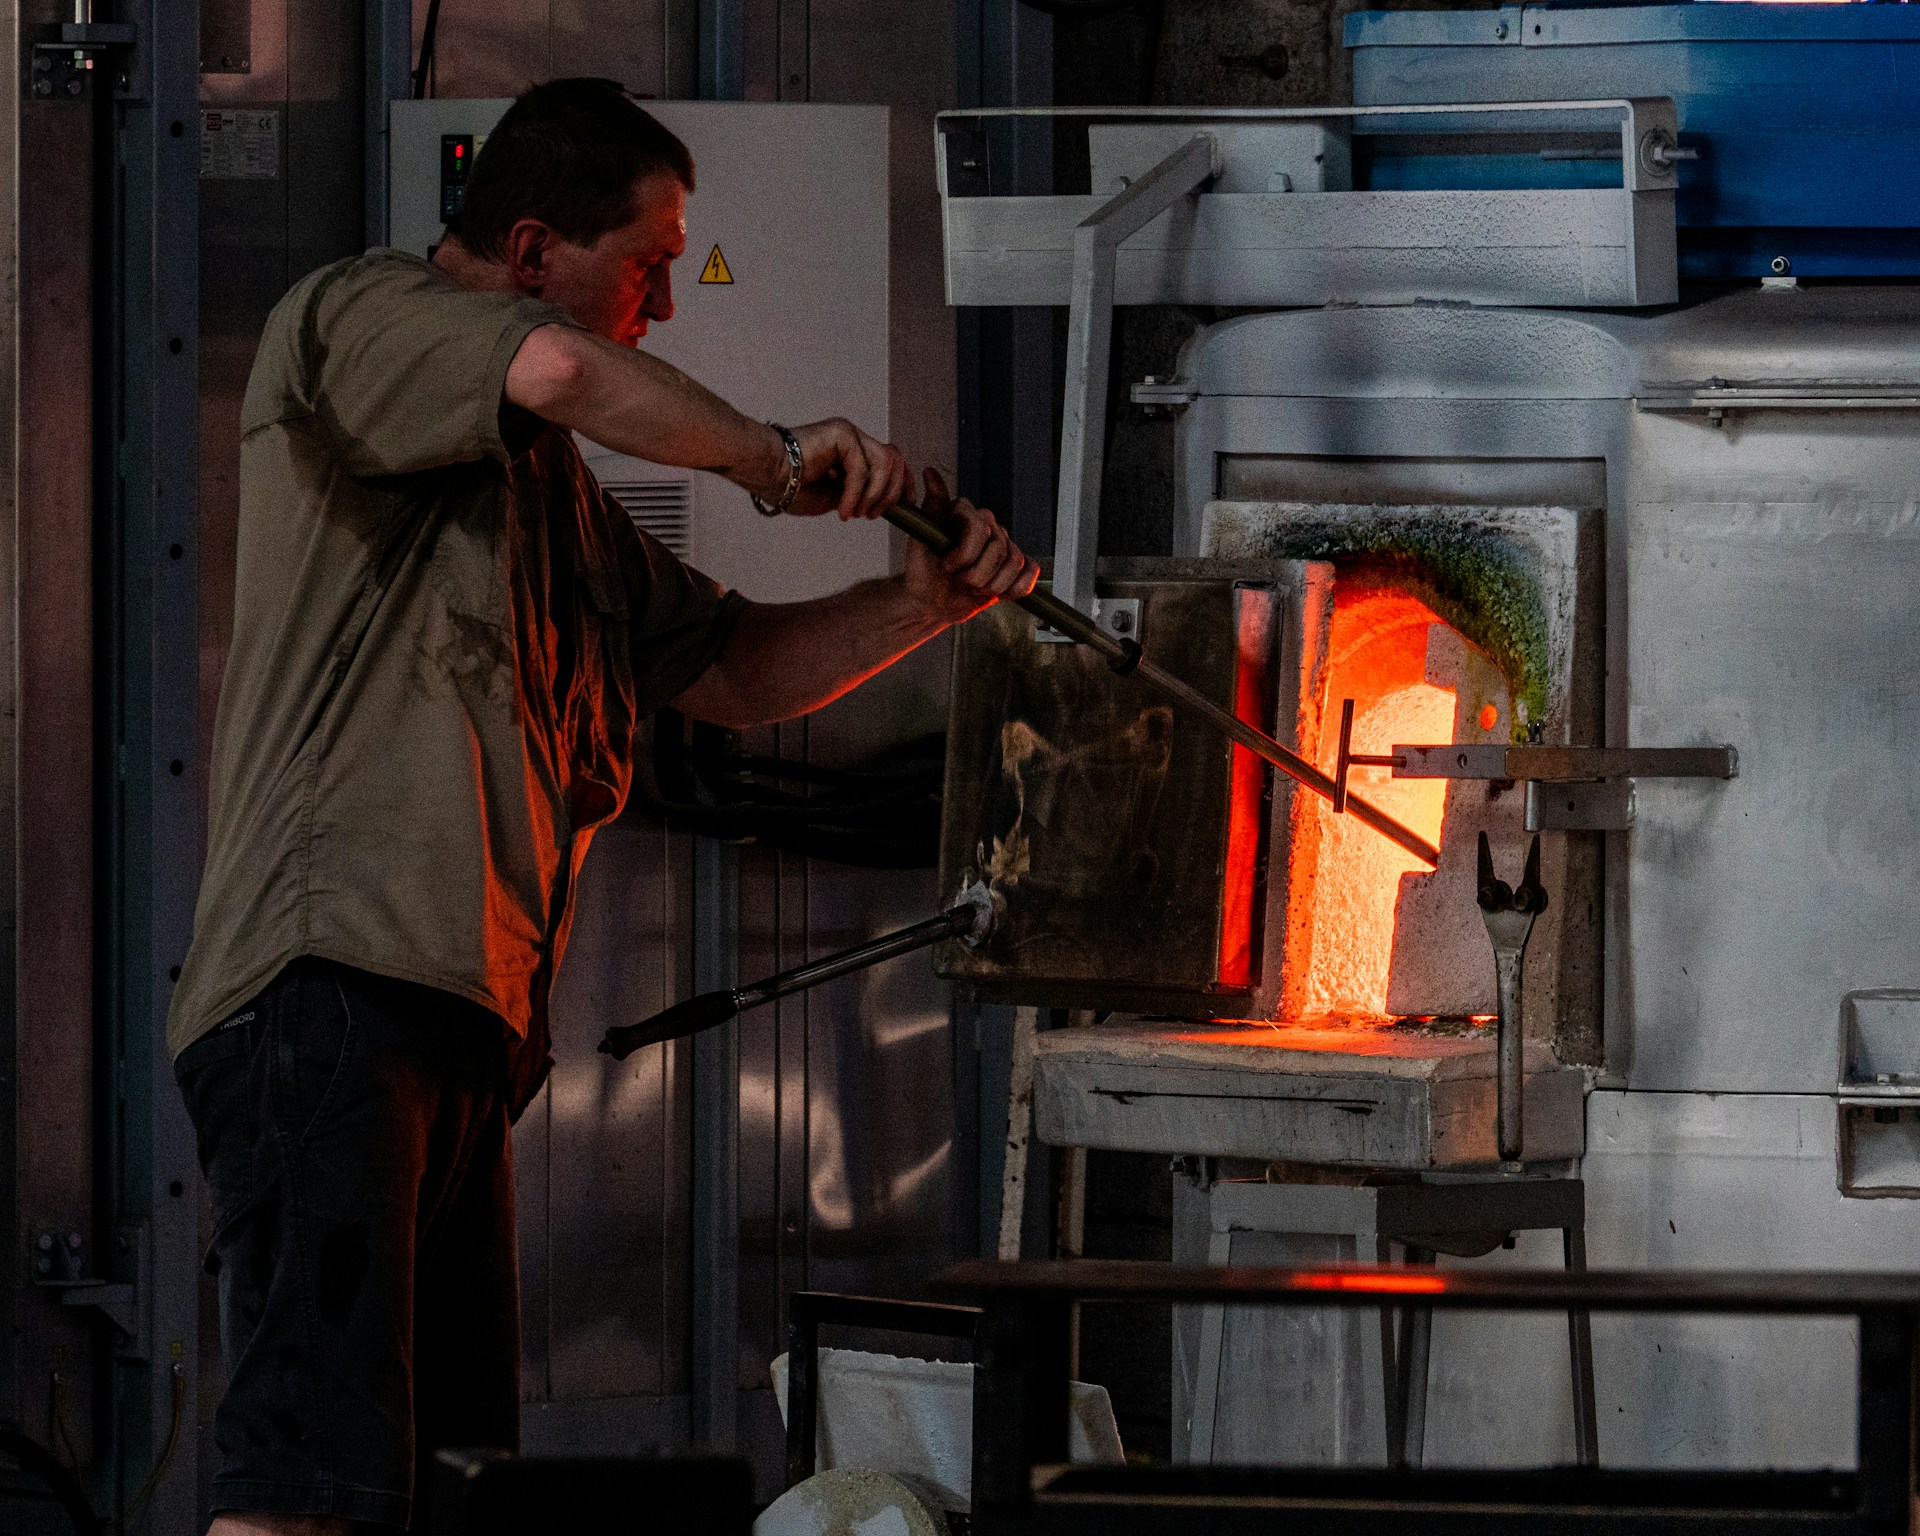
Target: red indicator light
{"points": [[1391, 1284], [459, 150]]}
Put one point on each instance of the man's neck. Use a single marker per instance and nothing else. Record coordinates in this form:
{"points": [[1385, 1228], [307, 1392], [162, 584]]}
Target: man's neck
{"points": [[474, 273]]}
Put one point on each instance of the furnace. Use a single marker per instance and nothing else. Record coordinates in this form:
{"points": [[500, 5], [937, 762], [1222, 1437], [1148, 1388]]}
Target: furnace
{"points": [[1148, 868], [1598, 560]]}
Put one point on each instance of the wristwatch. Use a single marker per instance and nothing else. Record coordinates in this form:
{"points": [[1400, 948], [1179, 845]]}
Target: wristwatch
{"points": [[792, 487]]}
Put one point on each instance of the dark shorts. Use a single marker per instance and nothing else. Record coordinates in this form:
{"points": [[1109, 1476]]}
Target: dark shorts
{"points": [[354, 1131]]}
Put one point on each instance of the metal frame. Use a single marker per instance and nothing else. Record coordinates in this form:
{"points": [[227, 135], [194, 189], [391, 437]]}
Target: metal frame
{"points": [[1276, 249], [1425, 1218], [1083, 423], [1021, 1485]]}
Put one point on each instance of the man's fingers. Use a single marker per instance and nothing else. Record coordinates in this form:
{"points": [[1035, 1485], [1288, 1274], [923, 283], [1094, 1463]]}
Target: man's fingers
{"points": [[884, 479], [996, 553], [937, 497], [976, 533], [1012, 572], [900, 485], [855, 472]]}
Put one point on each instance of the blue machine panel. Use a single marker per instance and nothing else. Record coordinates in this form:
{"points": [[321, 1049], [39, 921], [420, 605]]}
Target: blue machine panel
{"points": [[1806, 116]]}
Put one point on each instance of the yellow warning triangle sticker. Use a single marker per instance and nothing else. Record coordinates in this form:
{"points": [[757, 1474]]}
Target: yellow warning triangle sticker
{"points": [[715, 271]]}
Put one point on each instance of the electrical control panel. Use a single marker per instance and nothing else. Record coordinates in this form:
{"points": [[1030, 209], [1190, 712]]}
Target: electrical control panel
{"points": [[780, 307]]}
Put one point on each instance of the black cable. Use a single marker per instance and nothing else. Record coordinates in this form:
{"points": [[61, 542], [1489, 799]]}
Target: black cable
{"points": [[708, 788], [137, 1506], [423, 70]]}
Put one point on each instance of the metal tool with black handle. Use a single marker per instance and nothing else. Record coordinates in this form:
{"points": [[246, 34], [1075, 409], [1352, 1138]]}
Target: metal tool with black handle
{"points": [[1509, 911], [941, 533], [972, 920]]}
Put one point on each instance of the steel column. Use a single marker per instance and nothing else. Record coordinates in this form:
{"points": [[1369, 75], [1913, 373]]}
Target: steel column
{"points": [[153, 848]]}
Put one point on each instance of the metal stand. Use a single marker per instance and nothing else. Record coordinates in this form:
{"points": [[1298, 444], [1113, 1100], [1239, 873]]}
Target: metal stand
{"points": [[1462, 1218]]}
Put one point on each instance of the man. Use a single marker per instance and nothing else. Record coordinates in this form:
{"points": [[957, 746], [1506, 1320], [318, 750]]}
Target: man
{"points": [[444, 637]]}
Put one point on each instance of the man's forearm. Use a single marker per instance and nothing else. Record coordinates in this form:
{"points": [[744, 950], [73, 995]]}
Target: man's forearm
{"points": [[784, 659], [638, 405]]}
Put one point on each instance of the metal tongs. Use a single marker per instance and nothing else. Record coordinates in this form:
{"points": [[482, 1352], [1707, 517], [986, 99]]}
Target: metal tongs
{"points": [[1509, 911], [970, 920]]}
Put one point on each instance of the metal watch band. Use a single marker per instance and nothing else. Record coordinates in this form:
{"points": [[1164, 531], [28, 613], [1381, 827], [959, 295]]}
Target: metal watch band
{"points": [[792, 487]]}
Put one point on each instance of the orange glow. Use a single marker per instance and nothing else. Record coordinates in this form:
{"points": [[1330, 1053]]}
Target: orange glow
{"points": [[1377, 653], [1253, 689], [1489, 716], [1391, 1282]]}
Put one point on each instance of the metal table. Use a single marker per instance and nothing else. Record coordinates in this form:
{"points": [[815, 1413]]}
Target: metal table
{"points": [[1021, 1485]]}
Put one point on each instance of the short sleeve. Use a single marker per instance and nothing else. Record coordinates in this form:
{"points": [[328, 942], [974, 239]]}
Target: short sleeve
{"points": [[408, 371], [678, 618]]}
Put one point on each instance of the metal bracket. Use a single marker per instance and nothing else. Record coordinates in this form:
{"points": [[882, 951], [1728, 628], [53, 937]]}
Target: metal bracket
{"points": [[1118, 616], [1161, 397], [1720, 398], [1563, 764], [1569, 789], [59, 1265], [1595, 805], [62, 69]]}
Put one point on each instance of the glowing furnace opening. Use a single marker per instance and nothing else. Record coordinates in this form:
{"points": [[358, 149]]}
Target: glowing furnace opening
{"points": [[1342, 943]]}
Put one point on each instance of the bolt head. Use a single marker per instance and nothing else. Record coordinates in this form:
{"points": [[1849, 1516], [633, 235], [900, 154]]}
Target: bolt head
{"points": [[75, 87], [45, 1244], [73, 1241], [1781, 266], [43, 87]]}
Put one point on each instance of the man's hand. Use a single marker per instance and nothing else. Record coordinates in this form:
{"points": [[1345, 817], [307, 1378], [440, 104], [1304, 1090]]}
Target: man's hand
{"points": [[985, 566], [784, 659], [842, 469]]}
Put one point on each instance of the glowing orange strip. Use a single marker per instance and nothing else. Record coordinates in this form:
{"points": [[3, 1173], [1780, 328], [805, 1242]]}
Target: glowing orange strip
{"points": [[1393, 1284]]}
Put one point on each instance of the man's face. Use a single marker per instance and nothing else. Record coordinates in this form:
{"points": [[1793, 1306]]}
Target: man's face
{"points": [[620, 283]]}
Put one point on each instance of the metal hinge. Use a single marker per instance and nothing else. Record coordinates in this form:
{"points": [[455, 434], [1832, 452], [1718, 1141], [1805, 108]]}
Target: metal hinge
{"points": [[1159, 397]]}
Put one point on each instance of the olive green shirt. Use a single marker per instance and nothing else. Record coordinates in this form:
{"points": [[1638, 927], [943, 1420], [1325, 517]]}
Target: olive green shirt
{"points": [[443, 636]]}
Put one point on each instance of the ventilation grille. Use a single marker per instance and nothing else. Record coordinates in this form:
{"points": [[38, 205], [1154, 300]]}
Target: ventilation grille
{"points": [[663, 508]]}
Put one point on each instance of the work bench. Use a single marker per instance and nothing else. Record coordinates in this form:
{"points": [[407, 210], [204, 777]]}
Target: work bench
{"points": [[1022, 1485]]}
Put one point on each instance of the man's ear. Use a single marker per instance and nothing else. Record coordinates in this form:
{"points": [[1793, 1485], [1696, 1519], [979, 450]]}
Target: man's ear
{"points": [[529, 250]]}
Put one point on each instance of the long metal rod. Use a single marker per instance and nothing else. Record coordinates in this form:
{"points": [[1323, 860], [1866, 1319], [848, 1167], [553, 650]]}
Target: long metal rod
{"points": [[948, 925], [701, 1013], [1124, 656]]}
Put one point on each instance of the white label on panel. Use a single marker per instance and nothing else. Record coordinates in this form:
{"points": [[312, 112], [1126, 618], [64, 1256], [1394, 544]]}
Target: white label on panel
{"points": [[239, 144]]}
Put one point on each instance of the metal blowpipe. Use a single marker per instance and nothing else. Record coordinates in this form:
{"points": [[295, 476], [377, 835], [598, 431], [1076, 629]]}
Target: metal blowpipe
{"points": [[1124, 657], [971, 920]]}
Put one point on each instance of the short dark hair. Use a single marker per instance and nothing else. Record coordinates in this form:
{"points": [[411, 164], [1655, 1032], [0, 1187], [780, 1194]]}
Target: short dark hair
{"points": [[569, 154]]}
